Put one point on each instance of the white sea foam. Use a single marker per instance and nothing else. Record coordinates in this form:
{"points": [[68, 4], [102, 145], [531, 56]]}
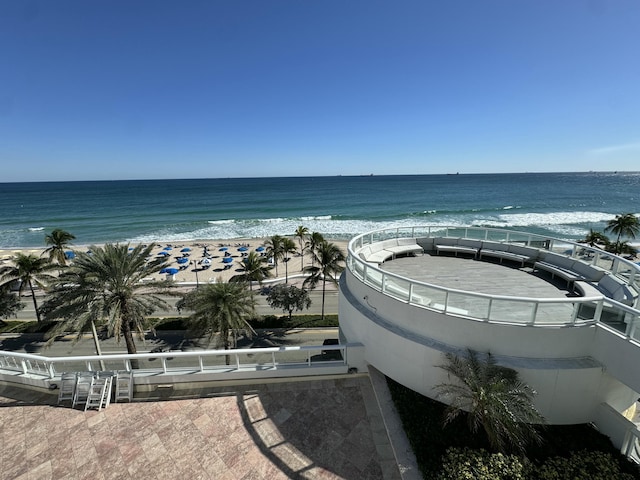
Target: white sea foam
{"points": [[36, 229]]}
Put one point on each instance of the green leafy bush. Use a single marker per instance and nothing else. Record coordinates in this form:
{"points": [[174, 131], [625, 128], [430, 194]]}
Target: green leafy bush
{"points": [[583, 465], [468, 464]]}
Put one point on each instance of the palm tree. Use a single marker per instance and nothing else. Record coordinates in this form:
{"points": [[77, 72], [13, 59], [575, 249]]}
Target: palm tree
{"points": [[315, 239], [493, 398], [256, 269], [288, 246], [105, 284], [301, 234], [274, 249], [29, 270], [220, 308], [595, 239], [59, 241], [626, 225], [328, 263], [10, 303]]}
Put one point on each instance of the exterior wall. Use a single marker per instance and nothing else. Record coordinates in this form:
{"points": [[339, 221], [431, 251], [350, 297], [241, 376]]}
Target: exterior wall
{"points": [[407, 343]]}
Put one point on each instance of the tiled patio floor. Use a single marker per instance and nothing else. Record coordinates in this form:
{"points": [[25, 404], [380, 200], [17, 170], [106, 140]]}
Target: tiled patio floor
{"points": [[320, 429]]}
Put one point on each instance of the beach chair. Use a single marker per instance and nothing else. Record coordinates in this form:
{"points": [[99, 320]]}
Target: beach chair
{"points": [[84, 380], [67, 387], [99, 392], [124, 386]]}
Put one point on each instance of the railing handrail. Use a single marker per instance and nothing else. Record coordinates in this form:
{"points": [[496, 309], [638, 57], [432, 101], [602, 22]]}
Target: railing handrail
{"points": [[425, 232], [167, 354]]}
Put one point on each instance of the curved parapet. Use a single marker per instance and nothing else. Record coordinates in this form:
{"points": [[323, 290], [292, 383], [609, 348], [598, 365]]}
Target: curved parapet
{"points": [[577, 346]]}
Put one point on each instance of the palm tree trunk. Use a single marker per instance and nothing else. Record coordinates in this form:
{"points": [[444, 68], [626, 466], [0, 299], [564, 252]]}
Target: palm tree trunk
{"points": [[35, 303], [286, 271], [127, 333]]}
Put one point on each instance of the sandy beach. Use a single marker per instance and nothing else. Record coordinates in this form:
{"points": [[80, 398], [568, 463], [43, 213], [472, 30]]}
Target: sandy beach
{"points": [[193, 270]]}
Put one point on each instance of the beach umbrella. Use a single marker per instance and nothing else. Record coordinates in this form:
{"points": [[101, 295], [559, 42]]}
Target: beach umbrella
{"points": [[171, 271], [243, 249], [164, 254], [182, 260], [69, 255], [206, 261], [185, 249], [260, 249], [223, 249], [164, 270], [227, 260], [167, 248]]}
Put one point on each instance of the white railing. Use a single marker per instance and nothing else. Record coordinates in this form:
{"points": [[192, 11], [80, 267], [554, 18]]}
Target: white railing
{"points": [[201, 361], [498, 308]]}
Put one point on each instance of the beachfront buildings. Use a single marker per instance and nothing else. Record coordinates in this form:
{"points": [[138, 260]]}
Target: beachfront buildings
{"points": [[563, 315]]}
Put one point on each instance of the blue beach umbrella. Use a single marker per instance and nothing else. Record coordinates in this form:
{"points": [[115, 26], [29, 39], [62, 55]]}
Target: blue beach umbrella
{"points": [[223, 249], [227, 260], [164, 254], [182, 260], [260, 249], [243, 249], [171, 271], [167, 248], [164, 270], [185, 249], [69, 255]]}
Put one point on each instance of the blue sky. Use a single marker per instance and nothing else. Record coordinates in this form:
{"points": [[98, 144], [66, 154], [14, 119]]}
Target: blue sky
{"points": [[199, 89]]}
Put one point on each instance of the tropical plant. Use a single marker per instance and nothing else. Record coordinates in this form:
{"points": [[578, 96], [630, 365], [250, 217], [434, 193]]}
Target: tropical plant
{"points": [[105, 285], [594, 239], [220, 310], [493, 398], [327, 264], [478, 464], [626, 225], [10, 303], [301, 234], [255, 269], [289, 298], [59, 241], [288, 246], [315, 239], [28, 270], [273, 247]]}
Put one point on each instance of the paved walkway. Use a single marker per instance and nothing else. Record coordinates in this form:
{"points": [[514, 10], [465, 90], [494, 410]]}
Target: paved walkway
{"points": [[317, 429]]}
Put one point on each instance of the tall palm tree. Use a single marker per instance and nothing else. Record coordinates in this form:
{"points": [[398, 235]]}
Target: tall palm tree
{"points": [[315, 239], [221, 309], [256, 269], [328, 263], [29, 270], [301, 234], [10, 303], [288, 246], [59, 241], [274, 249], [105, 285], [493, 398], [626, 225]]}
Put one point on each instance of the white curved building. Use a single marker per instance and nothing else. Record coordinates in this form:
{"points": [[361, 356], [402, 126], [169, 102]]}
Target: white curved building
{"points": [[562, 314]]}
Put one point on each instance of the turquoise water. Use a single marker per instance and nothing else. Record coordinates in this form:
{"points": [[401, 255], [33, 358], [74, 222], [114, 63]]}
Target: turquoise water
{"points": [[564, 205]]}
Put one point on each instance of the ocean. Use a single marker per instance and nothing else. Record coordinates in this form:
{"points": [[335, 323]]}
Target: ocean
{"points": [[563, 205]]}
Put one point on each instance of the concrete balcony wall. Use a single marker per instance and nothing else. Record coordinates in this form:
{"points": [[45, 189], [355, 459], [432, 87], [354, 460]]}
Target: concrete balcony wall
{"points": [[406, 343]]}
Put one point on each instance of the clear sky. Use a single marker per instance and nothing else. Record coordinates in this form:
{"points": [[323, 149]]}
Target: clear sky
{"points": [[198, 89]]}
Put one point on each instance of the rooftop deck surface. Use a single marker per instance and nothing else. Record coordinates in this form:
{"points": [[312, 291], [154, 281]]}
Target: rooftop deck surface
{"points": [[489, 278], [318, 429], [476, 276]]}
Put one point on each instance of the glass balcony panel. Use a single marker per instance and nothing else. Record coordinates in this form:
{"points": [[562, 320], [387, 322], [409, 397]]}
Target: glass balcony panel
{"points": [[557, 313], [459, 303], [397, 288], [511, 311], [374, 278]]}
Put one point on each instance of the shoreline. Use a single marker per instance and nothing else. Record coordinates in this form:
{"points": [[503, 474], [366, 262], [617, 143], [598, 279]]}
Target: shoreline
{"points": [[194, 272]]}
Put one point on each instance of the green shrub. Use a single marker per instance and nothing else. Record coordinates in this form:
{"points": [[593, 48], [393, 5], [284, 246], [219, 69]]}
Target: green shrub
{"points": [[468, 464], [583, 465]]}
